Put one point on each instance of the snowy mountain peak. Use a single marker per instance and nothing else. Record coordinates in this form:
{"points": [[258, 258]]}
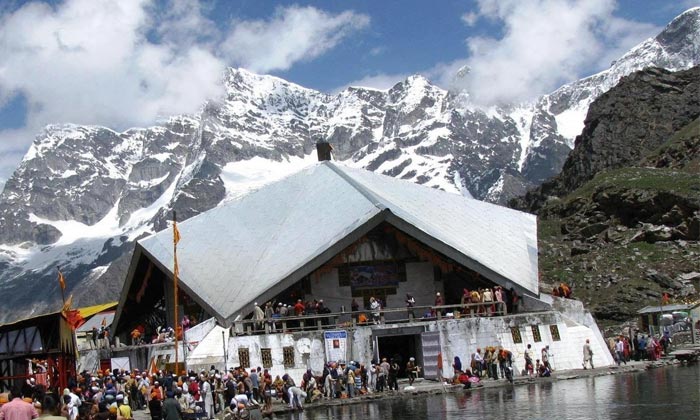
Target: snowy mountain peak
{"points": [[238, 79], [682, 36], [416, 83], [82, 194]]}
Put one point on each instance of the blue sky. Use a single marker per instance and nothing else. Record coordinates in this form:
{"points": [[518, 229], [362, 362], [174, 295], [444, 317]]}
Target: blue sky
{"points": [[128, 63]]}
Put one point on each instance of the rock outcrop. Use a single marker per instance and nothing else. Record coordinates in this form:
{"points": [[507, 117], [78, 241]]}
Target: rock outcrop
{"points": [[622, 127], [621, 223]]}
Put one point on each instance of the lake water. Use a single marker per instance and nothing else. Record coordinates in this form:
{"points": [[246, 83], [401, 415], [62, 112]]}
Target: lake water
{"points": [[671, 393]]}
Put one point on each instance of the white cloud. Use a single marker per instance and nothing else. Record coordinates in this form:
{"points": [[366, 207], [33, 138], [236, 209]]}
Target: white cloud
{"points": [[470, 18], [292, 34], [545, 43], [128, 63]]}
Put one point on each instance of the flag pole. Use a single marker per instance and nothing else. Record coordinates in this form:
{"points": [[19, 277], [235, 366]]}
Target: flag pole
{"points": [[176, 238], [62, 284]]}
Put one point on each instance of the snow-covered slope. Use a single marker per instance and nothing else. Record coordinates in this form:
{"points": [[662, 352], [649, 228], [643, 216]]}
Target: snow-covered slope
{"points": [[83, 194]]}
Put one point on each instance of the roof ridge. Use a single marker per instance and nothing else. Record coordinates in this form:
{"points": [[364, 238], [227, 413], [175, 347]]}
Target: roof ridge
{"points": [[369, 195]]}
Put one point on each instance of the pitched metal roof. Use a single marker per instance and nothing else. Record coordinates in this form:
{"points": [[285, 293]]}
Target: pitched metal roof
{"points": [[667, 308], [254, 247]]}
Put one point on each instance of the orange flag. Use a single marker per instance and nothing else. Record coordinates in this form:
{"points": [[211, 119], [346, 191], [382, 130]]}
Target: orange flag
{"points": [[74, 318], [61, 280], [152, 369]]}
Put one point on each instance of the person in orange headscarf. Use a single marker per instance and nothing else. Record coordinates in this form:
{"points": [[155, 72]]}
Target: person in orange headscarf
{"points": [[135, 337], [155, 407], [567, 291]]}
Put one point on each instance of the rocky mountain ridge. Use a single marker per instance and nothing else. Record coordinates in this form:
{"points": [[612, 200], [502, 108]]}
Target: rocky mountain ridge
{"points": [[621, 223], [83, 194]]}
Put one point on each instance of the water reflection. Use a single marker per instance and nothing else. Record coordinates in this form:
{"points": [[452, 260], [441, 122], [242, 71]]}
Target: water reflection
{"points": [[656, 394]]}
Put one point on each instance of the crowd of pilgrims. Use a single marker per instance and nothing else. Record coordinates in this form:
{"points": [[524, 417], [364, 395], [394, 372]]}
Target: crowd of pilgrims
{"points": [[116, 394], [235, 394], [481, 301], [641, 347], [497, 363], [249, 393]]}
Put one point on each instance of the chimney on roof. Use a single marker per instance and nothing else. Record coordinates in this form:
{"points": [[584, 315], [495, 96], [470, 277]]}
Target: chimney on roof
{"points": [[323, 149]]}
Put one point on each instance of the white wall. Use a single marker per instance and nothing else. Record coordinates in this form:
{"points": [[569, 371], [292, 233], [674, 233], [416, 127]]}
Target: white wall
{"points": [[573, 310], [302, 361], [462, 338], [458, 337]]}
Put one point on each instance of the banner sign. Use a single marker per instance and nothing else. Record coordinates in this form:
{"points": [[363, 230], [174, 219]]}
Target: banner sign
{"points": [[373, 276], [336, 345]]}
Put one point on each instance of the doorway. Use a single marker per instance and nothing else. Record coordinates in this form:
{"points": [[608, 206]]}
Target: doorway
{"points": [[400, 348]]}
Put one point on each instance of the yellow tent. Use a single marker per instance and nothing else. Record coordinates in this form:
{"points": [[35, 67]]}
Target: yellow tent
{"points": [[89, 311]]}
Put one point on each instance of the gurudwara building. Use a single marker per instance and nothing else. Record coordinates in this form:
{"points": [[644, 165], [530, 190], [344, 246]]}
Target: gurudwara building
{"points": [[331, 234]]}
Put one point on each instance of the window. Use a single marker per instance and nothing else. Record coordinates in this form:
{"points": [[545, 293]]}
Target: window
{"points": [[536, 333], [288, 354], [266, 358], [244, 357], [554, 330], [515, 332]]}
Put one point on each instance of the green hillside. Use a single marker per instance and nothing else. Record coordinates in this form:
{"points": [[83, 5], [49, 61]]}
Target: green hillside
{"points": [[630, 234]]}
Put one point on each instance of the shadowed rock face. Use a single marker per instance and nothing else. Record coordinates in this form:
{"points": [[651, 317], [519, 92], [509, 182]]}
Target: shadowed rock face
{"points": [[624, 125]]}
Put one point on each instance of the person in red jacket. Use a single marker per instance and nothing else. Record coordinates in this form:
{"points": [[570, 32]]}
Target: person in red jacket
{"points": [[299, 308], [193, 388]]}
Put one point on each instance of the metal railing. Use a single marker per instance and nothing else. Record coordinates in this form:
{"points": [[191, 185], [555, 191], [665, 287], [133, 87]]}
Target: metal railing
{"points": [[352, 320]]}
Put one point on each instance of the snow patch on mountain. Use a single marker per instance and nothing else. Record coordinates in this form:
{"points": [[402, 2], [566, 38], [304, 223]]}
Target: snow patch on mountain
{"points": [[523, 119], [245, 176], [570, 123]]}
